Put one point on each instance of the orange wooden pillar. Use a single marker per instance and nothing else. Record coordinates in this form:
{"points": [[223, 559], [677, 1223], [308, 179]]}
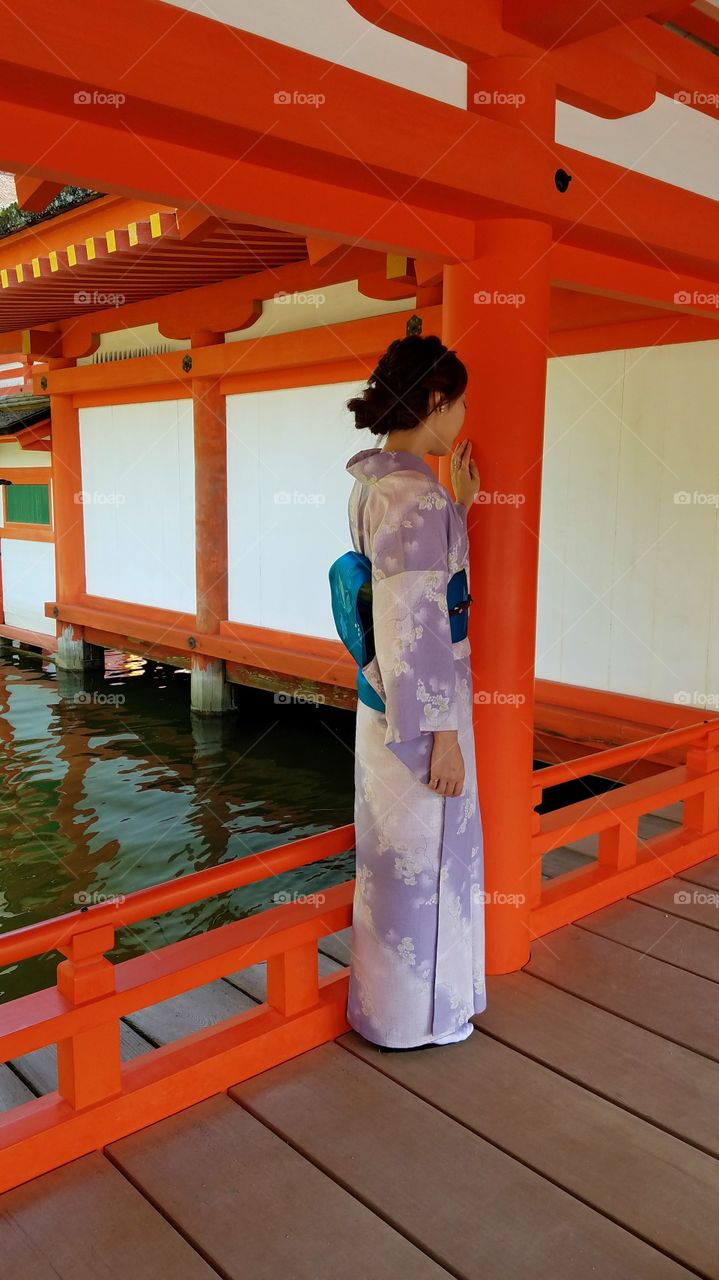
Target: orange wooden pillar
{"points": [[73, 652], [496, 316], [211, 694]]}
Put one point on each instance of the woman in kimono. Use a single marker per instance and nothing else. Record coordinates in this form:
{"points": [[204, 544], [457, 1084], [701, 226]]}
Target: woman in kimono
{"points": [[417, 970]]}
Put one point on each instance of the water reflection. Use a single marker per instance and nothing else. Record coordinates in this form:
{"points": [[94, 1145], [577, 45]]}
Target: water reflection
{"points": [[108, 783]]}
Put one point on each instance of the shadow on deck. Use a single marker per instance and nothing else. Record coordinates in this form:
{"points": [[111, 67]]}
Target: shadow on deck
{"points": [[577, 1131]]}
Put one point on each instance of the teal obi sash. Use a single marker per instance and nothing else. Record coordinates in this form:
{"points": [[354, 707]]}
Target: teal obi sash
{"points": [[351, 591]]}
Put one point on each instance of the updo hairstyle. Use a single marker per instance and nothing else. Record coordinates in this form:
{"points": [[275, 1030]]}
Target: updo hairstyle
{"points": [[397, 395]]}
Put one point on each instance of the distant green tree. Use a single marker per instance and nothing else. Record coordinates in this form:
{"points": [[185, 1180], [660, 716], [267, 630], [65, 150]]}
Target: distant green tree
{"points": [[13, 219]]}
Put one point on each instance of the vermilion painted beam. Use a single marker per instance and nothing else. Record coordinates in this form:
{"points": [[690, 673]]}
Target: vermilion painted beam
{"points": [[642, 333], [566, 21], [701, 19], [585, 271], [362, 337], [613, 73], [33, 194], [364, 174], [681, 67], [471, 30], [461, 169]]}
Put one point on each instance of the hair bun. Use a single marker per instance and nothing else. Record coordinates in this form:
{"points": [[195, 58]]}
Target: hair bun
{"points": [[398, 389]]}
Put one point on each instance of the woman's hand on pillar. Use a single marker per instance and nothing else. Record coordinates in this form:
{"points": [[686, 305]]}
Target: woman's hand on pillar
{"points": [[465, 473]]}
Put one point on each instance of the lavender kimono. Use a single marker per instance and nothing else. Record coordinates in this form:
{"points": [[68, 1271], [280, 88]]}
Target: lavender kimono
{"points": [[417, 972]]}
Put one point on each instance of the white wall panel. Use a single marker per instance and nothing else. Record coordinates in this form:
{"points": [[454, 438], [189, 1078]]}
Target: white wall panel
{"points": [[28, 582], [628, 580], [138, 481], [287, 503]]}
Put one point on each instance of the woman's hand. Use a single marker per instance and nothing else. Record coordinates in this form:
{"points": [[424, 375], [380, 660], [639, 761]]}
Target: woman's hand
{"points": [[465, 473], [446, 769]]}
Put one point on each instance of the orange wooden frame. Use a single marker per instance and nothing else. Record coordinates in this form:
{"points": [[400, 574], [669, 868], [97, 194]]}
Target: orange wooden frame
{"points": [[99, 1098], [16, 529]]}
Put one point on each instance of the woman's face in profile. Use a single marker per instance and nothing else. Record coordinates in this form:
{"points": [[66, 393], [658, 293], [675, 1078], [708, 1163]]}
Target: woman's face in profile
{"points": [[447, 425]]}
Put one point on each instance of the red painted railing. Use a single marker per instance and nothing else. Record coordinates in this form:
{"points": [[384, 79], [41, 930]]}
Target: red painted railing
{"points": [[99, 1098], [625, 863]]}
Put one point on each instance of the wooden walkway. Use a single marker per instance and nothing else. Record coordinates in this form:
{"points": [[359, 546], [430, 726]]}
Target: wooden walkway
{"points": [[576, 1132]]}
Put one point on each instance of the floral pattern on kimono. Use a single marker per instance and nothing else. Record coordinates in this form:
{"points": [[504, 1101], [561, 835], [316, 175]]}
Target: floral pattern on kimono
{"points": [[417, 971]]}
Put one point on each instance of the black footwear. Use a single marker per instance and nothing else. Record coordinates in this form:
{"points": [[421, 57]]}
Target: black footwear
{"points": [[410, 1048]]}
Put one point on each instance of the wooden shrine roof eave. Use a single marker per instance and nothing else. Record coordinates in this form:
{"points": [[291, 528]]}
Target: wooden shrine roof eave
{"points": [[687, 304], [353, 176], [221, 307], [93, 218]]}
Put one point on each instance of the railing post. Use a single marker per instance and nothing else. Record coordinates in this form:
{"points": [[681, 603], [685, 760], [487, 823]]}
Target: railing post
{"points": [[617, 846], [535, 866], [292, 980], [701, 812], [88, 1063]]}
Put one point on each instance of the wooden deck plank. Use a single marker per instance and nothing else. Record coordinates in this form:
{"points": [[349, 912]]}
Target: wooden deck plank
{"points": [[479, 1212], [680, 898], [181, 1015], [706, 873], [655, 1185], [86, 1221], [671, 1002], [12, 1090], [663, 1082], [557, 861], [338, 945], [257, 1209], [657, 933], [39, 1068]]}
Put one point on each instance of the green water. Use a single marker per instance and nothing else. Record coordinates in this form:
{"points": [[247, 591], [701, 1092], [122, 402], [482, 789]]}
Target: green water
{"points": [[109, 784]]}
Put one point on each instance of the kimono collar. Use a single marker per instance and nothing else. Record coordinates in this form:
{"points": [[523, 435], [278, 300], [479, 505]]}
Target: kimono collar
{"points": [[370, 464]]}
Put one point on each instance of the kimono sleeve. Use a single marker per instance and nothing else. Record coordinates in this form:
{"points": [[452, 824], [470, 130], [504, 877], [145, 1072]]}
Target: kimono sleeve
{"points": [[413, 642]]}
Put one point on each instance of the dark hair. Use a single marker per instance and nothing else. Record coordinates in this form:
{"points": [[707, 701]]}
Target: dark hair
{"points": [[398, 390]]}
